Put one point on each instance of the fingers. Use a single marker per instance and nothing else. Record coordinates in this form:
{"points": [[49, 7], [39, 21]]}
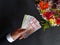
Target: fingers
{"points": [[26, 34], [21, 34], [15, 35], [20, 30], [21, 37]]}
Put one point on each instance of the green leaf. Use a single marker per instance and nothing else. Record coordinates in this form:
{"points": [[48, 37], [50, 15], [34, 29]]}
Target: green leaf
{"points": [[45, 25]]}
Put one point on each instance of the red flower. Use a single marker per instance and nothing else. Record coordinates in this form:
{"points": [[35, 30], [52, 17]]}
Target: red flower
{"points": [[58, 20], [48, 15]]}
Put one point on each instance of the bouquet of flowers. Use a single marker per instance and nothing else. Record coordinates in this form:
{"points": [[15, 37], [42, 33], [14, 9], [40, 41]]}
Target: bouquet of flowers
{"points": [[50, 12]]}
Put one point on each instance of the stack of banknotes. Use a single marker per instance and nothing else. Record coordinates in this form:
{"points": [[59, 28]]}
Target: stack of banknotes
{"points": [[30, 23]]}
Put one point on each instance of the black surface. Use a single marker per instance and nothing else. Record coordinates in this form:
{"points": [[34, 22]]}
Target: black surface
{"points": [[11, 16]]}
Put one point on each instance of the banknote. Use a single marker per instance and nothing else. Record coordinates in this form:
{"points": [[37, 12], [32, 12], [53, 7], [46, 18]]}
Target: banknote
{"points": [[30, 22]]}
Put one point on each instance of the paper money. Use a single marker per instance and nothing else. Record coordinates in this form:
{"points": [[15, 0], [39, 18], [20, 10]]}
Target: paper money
{"points": [[30, 22]]}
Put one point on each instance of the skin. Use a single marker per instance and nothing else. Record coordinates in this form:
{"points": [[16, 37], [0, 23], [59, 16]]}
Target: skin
{"points": [[21, 33], [18, 34]]}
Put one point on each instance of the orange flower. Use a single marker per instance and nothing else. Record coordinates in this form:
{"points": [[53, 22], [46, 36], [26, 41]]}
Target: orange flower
{"points": [[43, 5]]}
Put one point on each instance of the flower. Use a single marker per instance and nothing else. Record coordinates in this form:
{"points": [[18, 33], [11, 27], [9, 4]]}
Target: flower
{"points": [[58, 21], [43, 5], [42, 11], [48, 15], [52, 22]]}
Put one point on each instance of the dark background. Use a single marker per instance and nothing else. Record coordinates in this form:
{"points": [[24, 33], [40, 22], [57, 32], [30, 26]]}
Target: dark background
{"points": [[11, 18]]}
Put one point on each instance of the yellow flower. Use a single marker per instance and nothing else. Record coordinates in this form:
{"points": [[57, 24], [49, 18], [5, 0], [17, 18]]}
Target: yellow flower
{"points": [[42, 11], [52, 22]]}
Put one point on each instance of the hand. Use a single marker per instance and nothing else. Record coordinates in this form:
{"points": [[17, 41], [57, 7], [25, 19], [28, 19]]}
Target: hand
{"points": [[26, 34], [18, 34]]}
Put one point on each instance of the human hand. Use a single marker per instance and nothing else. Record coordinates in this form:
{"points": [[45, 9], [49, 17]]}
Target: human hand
{"points": [[18, 34], [26, 34]]}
